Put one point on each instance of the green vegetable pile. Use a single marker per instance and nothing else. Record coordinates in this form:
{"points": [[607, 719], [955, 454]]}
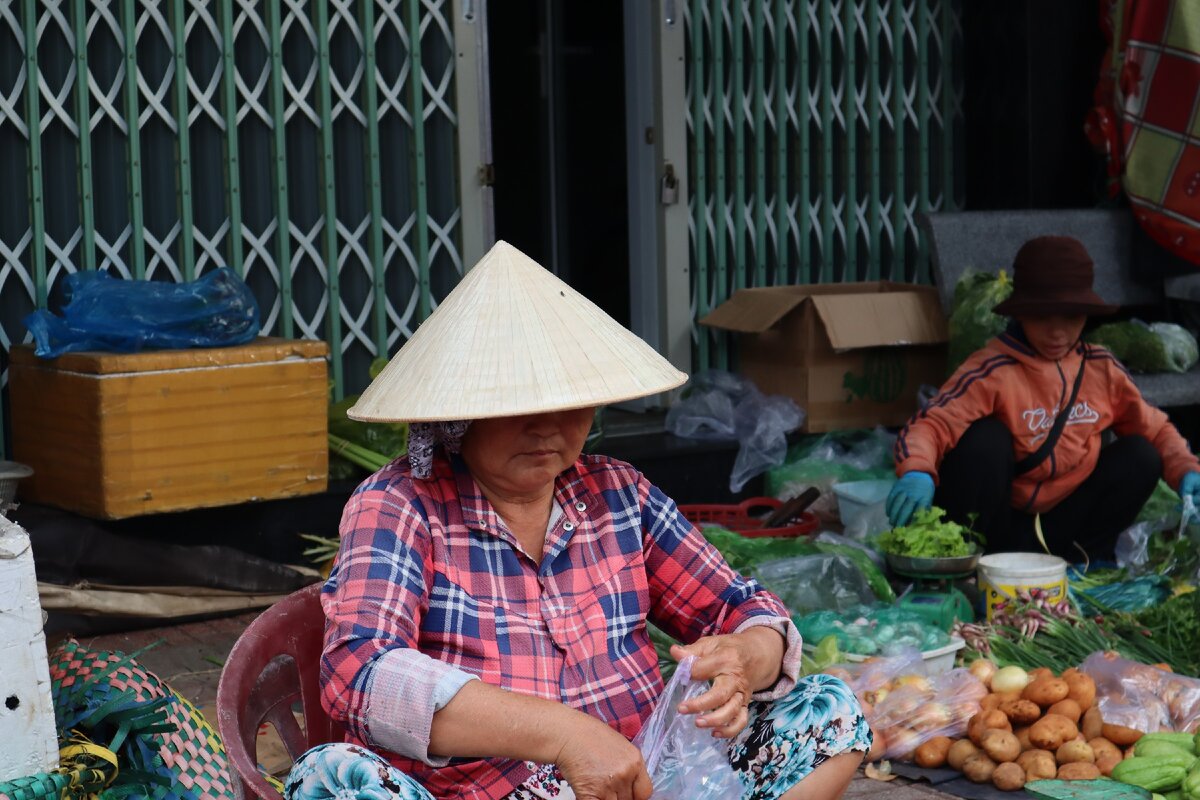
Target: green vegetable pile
{"points": [[1159, 347], [928, 535], [972, 322]]}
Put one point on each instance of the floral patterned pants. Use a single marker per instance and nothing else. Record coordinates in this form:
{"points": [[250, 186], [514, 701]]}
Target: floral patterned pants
{"points": [[785, 741]]}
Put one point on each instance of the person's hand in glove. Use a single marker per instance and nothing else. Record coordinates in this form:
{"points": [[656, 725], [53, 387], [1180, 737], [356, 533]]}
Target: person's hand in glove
{"points": [[914, 492], [1190, 487]]}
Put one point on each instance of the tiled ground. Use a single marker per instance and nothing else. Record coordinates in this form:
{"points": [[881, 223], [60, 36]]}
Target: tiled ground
{"points": [[189, 658]]}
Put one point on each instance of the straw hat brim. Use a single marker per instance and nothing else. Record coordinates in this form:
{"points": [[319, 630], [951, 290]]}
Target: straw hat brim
{"points": [[513, 339]]}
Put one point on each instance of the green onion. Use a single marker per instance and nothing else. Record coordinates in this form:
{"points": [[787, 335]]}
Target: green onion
{"points": [[357, 454]]}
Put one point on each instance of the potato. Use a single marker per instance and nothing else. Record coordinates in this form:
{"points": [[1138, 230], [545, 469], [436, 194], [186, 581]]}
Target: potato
{"points": [[1038, 764], [986, 720], [1022, 734], [1106, 762], [1075, 751], [1021, 712], [1066, 708], [1046, 691], [995, 699], [960, 751], [933, 753], [1092, 725], [1040, 672], [1081, 688], [1001, 746], [1008, 777], [1102, 747], [1120, 735], [979, 768], [1079, 771], [1049, 732]]}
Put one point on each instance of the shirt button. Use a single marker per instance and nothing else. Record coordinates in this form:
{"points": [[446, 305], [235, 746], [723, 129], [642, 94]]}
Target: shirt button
{"points": [[568, 526], [581, 506]]}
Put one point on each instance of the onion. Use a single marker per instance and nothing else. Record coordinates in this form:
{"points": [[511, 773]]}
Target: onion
{"points": [[984, 669], [1009, 679]]}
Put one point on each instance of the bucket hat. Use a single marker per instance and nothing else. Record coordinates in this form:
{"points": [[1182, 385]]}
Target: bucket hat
{"points": [[1053, 275], [513, 339]]}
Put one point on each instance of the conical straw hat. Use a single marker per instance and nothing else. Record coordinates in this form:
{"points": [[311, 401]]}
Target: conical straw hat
{"points": [[513, 339]]}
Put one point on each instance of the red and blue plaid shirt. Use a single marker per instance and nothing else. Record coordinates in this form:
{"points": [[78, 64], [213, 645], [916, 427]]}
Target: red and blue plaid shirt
{"points": [[428, 564]]}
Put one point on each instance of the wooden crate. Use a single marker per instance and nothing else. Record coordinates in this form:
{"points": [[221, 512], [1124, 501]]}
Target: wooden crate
{"points": [[112, 435]]}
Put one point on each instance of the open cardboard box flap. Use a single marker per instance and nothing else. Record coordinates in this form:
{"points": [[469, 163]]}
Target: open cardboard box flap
{"points": [[885, 319], [756, 310], [854, 315]]}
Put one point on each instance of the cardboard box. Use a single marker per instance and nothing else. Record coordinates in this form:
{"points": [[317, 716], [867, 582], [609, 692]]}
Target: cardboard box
{"points": [[853, 355], [112, 435]]}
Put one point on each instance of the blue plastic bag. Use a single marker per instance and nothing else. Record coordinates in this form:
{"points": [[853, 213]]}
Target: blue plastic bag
{"points": [[111, 314]]}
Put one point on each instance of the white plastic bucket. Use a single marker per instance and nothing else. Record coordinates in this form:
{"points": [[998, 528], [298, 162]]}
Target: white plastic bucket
{"points": [[1002, 575]]}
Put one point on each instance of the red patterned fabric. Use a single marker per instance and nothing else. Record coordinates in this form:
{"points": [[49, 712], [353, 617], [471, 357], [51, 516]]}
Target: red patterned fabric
{"points": [[1147, 116]]}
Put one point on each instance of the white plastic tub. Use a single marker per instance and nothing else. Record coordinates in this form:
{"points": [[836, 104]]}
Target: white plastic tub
{"points": [[1002, 575], [858, 499]]}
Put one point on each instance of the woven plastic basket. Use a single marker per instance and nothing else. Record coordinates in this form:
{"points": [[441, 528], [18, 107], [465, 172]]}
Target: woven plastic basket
{"points": [[10, 473], [747, 517]]}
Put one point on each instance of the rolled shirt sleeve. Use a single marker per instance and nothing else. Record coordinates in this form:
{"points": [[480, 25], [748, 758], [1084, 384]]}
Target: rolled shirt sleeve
{"points": [[695, 593]]}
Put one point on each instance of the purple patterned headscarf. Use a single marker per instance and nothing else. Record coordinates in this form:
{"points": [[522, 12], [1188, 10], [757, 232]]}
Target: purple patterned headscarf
{"points": [[424, 438]]}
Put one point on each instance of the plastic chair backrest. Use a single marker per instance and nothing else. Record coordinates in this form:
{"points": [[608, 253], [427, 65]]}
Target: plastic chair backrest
{"points": [[274, 665]]}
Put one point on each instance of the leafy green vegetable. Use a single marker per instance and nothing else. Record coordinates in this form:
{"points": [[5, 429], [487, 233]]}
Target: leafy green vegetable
{"points": [[928, 535], [1175, 625], [972, 322]]}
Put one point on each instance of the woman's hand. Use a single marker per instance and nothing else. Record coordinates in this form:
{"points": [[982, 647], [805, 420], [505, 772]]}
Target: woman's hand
{"points": [[738, 664], [601, 764]]}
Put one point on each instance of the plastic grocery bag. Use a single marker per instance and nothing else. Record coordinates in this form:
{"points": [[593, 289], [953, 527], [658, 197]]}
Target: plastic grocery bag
{"points": [[825, 581], [904, 706], [685, 762], [101, 312], [721, 405], [832, 458], [1142, 697]]}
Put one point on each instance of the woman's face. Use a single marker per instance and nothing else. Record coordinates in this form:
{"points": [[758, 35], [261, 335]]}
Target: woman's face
{"points": [[523, 455], [1053, 335]]}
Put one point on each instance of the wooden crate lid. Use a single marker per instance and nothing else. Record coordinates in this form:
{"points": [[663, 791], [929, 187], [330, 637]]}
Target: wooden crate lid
{"points": [[263, 350]]}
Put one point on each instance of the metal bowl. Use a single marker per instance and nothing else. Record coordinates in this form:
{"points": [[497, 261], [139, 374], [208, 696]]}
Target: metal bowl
{"points": [[954, 565]]}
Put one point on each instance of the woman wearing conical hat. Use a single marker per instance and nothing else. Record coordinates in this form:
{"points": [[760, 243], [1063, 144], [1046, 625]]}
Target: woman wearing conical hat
{"points": [[486, 634]]}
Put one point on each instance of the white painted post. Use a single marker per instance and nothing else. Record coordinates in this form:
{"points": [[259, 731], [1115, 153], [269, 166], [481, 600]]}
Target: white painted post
{"points": [[28, 739]]}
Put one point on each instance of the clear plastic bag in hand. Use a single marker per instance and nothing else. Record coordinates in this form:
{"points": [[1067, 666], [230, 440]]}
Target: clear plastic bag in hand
{"points": [[685, 762]]}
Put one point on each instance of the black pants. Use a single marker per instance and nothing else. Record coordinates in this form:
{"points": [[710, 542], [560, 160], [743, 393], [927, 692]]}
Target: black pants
{"points": [[976, 478]]}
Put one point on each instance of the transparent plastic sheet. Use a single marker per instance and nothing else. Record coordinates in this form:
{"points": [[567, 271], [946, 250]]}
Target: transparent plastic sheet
{"points": [[1154, 347], [101, 312], [685, 762], [724, 406], [1181, 349], [818, 582], [1133, 546], [831, 458], [1143, 697], [904, 707]]}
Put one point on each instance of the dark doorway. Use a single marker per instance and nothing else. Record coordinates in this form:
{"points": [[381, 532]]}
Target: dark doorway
{"points": [[558, 140]]}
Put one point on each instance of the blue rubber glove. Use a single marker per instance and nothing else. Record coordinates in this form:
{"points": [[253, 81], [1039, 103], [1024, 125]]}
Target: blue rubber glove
{"points": [[914, 492], [1190, 487]]}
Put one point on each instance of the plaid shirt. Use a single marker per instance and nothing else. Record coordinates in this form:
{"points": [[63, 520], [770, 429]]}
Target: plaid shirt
{"points": [[428, 564]]}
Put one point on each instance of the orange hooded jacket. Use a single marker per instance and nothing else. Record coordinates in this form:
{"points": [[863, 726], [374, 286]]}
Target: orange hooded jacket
{"points": [[1008, 380]]}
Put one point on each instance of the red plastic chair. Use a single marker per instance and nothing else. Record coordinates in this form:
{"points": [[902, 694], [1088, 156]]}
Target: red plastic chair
{"points": [[274, 664]]}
